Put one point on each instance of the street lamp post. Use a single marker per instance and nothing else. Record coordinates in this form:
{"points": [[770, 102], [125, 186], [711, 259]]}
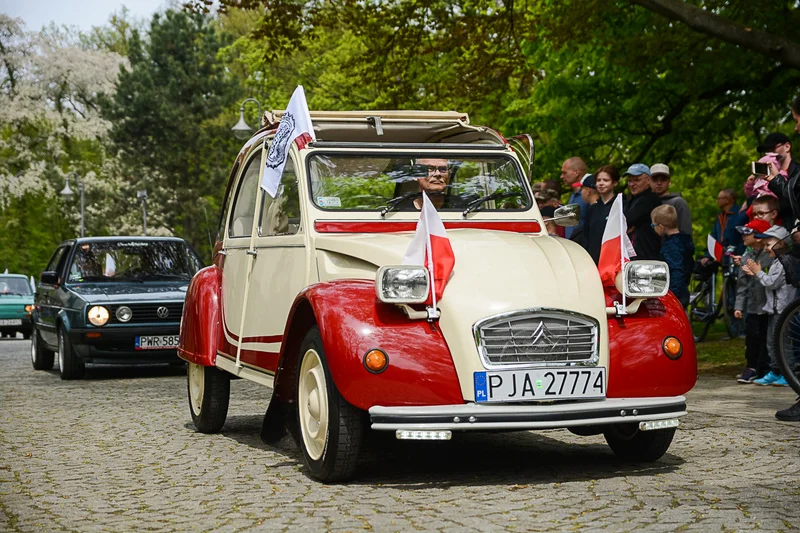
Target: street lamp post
{"points": [[66, 191], [242, 130], [142, 196]]}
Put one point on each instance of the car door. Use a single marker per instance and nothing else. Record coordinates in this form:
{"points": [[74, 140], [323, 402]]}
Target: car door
{"points": [[47, 296], [236, 245], [278, 274]]}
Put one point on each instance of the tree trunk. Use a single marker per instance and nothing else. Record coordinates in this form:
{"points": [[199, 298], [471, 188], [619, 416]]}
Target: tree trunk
{"points": [[777, 47]]}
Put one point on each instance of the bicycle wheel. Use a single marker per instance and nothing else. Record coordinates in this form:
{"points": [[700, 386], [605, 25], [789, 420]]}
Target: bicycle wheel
{"points": [[787, 344], [701, 309], [735, 326]]}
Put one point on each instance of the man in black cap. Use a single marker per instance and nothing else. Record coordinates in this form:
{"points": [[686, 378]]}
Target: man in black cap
{"points": [[779, 144]]}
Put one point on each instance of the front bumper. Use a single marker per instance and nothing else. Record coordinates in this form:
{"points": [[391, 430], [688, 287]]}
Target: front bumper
{"points": [[118, 344], [474, 416]]}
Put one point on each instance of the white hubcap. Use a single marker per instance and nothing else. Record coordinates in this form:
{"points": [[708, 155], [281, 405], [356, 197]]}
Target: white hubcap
{"points": [[313, 404], [196, 387], [61, 351], [33, 347]]}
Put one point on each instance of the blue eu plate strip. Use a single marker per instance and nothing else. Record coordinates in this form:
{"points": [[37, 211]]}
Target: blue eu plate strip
{"points": [[481, 387]]}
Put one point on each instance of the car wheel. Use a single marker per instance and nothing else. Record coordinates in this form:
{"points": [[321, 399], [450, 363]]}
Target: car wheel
{"points": [[41, 357], [209, 392], [331, 430], [631, 444], [69, 364], [26, 336]]}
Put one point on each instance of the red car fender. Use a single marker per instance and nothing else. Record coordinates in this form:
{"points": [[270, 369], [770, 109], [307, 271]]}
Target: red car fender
{"points": [[200, 322], [353, 321], [638, 365]]}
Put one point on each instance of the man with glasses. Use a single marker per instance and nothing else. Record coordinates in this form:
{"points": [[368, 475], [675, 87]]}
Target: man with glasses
{"points": [[779, 144], [659, 183], [724, 231], [434, 183]]}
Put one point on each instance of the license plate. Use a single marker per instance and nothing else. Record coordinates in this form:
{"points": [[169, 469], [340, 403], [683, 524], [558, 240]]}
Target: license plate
{"points": [[156, 342], [11, 322], [540, 384]]}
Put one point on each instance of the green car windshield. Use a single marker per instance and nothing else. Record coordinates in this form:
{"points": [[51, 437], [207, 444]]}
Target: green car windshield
{"points": [[112, 261], [357, 182], [15, 287]]}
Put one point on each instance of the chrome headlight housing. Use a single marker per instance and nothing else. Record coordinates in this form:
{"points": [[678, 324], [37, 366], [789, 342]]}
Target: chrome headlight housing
{"points": [[124, 313], [645, 279], [98, 315], [403, 284]]}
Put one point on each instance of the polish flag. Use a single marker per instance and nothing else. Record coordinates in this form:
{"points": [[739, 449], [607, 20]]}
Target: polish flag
{"points": [[616, 249], [431, 248], [714, 248]]}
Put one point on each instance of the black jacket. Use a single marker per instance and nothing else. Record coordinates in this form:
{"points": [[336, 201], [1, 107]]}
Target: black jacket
{"points": [[645, 240], [594, 226], [788, 193]]}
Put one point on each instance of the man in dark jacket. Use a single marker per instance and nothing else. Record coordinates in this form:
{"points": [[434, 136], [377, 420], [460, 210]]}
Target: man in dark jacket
{"points": [[779, 144], [637, 212], [724, 232]]}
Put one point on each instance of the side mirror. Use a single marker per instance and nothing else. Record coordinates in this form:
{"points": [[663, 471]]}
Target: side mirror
{"points": [[49, 277], [566, 215]]}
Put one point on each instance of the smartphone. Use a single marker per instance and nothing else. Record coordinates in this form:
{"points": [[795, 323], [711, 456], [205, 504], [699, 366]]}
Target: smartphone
{"points": [[760, 169]]}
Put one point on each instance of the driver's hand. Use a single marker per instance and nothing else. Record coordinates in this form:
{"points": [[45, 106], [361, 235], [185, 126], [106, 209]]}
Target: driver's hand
{"points": [[738, 314]]}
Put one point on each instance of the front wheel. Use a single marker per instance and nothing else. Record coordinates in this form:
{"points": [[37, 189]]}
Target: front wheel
{"points": [[41, 357], [70, 365], [787, 344], [331, 430], [209, 393], [628, 442]]}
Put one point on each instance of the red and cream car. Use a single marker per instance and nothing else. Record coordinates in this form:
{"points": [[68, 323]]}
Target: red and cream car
{"points": [[308, 295]]}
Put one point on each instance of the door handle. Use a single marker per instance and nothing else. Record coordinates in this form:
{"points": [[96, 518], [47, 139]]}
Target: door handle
{"points": [[254, 253]]}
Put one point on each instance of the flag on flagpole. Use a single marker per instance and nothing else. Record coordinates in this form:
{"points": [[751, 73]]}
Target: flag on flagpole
{"points": [[296, 120], [431, 248], [714, 248], [616, 248]]}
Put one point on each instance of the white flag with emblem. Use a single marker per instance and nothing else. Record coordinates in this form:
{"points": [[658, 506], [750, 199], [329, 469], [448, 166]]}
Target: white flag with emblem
{"points": [[296, 120]]}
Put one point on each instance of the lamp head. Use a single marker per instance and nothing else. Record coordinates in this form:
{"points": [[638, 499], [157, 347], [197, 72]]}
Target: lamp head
{"points": [[66, 191], [241, 130]]}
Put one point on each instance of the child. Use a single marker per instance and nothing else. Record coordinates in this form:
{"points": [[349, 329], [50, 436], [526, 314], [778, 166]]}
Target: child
{"points": [[677, 250], [778, 293], [751, 297]]}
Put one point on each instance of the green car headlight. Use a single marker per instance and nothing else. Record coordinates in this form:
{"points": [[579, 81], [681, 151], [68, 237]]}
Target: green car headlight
{"points": [[98, 315]]}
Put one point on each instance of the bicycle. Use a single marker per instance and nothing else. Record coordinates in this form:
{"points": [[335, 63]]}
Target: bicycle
{"points": [[705, 306], [787, 328]]}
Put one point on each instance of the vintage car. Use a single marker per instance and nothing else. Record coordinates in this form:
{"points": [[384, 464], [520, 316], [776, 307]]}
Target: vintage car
{"points": [[308, 295], [111, 300], [16, 303]]}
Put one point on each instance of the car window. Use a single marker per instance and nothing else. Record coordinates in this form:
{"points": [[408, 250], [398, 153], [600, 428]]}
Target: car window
{"points": [[352, 182], [244, 205], [226, 205], [107, 261], [14, 287], [52, 265], [281, 215]]}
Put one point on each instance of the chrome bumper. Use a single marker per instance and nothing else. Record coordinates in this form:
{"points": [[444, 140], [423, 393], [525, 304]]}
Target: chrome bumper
{"points": [[482, 416]]}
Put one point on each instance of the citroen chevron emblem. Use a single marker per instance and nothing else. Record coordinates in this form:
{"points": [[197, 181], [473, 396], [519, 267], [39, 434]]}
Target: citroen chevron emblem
{"points": [[542, 333]]}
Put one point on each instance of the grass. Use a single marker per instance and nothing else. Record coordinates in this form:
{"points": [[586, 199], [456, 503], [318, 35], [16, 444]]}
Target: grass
{"points": [[718, 354]]}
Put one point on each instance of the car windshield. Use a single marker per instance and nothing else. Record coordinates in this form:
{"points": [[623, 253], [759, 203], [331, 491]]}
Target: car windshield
{"points": [[352, 182], [133, 261], [15, 287]]}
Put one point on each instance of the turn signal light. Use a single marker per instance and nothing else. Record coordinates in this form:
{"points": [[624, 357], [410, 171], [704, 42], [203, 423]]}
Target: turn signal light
{"points": [[672, 347], [376, 361]]}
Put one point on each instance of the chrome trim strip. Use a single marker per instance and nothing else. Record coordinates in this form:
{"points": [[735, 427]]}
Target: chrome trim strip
{"points": [[245, 371], [534, 312]]}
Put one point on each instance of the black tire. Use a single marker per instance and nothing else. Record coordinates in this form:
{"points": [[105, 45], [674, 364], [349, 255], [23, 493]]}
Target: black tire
{"points": [[631, 444], [209, 392], [331, 452], [41, 357], [70, 365], [787, 344], [700, 310], [734, 326]]}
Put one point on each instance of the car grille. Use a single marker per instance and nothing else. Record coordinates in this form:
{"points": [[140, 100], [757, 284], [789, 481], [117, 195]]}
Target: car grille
{"points": [[538, 337], [148, 313]]}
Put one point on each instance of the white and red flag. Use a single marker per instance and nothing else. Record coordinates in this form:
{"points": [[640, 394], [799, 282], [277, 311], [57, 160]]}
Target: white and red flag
{"points": [[296, 121], [616, 249], [431, 248], [714, 248]]}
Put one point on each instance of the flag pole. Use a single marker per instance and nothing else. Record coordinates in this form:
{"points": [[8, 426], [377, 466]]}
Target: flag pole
{"points": [[622, 253], [429, 253]]}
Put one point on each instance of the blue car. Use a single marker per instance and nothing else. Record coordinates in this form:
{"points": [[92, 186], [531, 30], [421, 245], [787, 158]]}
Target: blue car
{"points": [[111, 300], [16, 303]]}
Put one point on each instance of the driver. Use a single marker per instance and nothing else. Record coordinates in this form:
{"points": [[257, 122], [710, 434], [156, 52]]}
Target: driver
{"points": [[435, 183]]}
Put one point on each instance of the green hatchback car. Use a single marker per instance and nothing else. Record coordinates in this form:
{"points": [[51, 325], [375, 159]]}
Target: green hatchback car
{"points": [[16, 304]]}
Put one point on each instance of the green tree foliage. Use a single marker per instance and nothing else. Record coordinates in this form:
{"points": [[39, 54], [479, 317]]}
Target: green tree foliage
{"points": [[171, 121]]}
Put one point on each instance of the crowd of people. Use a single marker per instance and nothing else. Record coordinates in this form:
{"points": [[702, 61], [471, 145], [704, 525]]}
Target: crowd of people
{"points": [[659, 224]]}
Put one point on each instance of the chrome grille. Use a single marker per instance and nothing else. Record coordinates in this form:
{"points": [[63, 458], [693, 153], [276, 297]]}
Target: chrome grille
{"points": [[148, 312], [540, 337]]}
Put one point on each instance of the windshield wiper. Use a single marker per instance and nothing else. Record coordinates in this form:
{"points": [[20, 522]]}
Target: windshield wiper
{"points": [[392, 204], [477, 205]]}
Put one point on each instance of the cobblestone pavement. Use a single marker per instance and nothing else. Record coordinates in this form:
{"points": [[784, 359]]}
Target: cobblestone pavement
{"points": [[117, 452]]}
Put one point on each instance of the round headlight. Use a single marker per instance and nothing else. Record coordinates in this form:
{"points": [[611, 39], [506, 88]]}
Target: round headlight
{"points": [[98, 315], [124, 313]]}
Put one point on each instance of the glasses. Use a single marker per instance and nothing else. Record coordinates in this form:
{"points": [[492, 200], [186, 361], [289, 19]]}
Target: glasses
{"points": [[659, 179], [442, 169], [761, 213], [654, 225]]}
